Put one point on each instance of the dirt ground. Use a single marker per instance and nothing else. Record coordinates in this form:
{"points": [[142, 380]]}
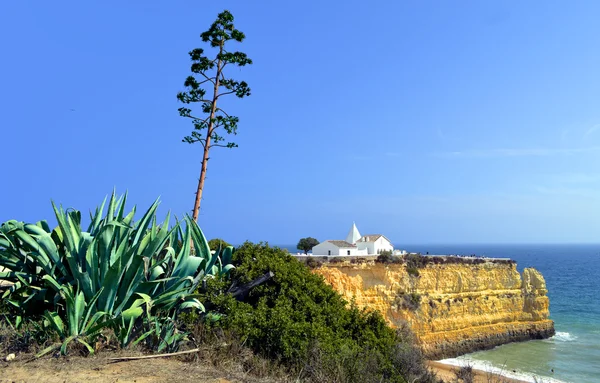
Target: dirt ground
{"points": [[100, 369]]}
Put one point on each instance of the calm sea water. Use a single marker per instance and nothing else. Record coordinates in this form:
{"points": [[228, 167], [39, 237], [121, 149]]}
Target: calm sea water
{"points": [[572, 274]]}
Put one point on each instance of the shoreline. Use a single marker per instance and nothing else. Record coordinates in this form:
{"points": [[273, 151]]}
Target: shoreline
{"points": [[446, 373]]}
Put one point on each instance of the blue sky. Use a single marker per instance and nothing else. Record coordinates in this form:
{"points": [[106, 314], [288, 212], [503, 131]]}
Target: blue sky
{"points": [[430, 122]]}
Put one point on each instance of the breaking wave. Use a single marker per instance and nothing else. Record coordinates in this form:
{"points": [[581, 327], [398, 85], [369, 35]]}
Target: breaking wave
{"points": [[488, 367], [563, 337]]}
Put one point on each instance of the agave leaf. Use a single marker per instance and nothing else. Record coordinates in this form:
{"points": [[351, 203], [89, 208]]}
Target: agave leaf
{"points": [[93, 327], [65, 235], [73, 219], [104, 243], [86, 283], [44, 225], [96, 218], [144, 299], [227, 268], [227, 255], [184, 251], [200, 242], [167, 300], [91, 306], [128, 318], [71, 309], [47, 246], [71, 237], [164, 227], [47, 350], [63, 348], [92, 266], [52, 283], [112, 203], [129, 218], [134, 312], [142, 226], [188, 267], [192, 304], [78, 312], [86, 344], [11, 275], [133, 276], [4, 242], [110, 285], [35, 250], [122, 202], [55, 322], [142, 337], [156, 272], [211, 268], [156, 245]]}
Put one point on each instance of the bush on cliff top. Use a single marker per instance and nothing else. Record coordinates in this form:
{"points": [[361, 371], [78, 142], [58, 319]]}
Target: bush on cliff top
{"points": [[300, 321]]}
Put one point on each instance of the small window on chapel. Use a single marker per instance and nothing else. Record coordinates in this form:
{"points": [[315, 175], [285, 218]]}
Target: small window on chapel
{"points": [[328, 252], [348, 252]]}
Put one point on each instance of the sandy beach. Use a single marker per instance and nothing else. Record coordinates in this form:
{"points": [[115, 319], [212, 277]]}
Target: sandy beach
{"points": [[446, 373]]}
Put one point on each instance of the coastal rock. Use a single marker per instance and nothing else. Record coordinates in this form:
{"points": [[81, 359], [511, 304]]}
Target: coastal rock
{"points": [[452, 308]]}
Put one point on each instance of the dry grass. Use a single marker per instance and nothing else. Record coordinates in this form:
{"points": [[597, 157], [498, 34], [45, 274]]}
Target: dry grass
{"points": [[99, 369]]}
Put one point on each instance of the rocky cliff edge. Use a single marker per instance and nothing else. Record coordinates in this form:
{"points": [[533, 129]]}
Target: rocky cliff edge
{"points": [[452, 308]]}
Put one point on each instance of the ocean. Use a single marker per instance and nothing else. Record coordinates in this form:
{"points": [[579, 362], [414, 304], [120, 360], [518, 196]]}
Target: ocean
{"points": [[572, 274]]}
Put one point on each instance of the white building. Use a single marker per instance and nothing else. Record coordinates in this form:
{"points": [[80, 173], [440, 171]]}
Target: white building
{"points": [[355, 244], [337, 248], [374, 243]]}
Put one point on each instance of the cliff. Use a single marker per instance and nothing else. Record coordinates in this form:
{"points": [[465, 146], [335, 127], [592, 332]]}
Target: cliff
{"points": [[452, 308]]}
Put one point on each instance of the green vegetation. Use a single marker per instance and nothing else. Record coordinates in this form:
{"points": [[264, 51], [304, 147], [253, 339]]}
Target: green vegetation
{"points": [[301, 322], [306, 244], [386, 256], [130, 277], [139, 283], [216, 243], [409, 301], [465, 374], [210, 73], [313, 263]]}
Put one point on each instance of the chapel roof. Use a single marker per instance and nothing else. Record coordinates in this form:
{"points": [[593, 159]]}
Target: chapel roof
{"points": [[372, 238], [353, 234], [340, 243]]}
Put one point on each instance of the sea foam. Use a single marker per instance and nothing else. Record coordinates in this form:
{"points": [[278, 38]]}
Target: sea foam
{"points": [[563, 337], [488, 367]]}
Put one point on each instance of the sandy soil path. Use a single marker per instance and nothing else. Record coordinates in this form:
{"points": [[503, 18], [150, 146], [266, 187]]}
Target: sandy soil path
{"points": [[100, 369]]}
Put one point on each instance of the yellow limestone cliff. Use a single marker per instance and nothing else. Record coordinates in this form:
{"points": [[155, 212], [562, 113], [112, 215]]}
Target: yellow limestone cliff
{"points": [[452, 308]]}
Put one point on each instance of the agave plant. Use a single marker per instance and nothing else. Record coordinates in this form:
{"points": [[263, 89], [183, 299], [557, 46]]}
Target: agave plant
{"points": [[108, 274]]}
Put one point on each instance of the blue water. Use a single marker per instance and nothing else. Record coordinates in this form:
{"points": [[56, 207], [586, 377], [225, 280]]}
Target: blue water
{"points": [[572, 274]]}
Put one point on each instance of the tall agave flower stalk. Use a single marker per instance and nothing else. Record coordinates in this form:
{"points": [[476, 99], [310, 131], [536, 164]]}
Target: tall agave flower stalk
{"points": [[108, 275]]}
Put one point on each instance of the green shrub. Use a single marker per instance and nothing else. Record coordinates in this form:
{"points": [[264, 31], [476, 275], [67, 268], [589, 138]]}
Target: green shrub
{"points": [[414, 262], [465, 374], [216, 243], [313, 263], [297, 319], [386, 256], [409, 301]]}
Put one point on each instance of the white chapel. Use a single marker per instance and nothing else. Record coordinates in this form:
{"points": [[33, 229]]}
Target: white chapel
{"points": [[354, 244]]}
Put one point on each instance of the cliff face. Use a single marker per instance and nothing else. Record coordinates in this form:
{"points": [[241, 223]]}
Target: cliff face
{"points": [[452, 308]]}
